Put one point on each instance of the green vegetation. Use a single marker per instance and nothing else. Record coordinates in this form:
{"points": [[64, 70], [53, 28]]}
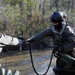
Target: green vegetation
{"points": [[28, 17]]}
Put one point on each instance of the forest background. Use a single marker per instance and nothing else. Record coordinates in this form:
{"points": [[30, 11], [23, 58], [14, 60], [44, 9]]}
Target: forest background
{"points": [[28, 17]]}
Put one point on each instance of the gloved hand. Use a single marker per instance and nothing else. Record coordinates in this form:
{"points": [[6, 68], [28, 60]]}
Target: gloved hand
{"points": [[29, 39]]}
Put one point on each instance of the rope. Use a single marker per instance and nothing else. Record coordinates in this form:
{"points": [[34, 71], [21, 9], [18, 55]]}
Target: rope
{"points": [[33, 62]]}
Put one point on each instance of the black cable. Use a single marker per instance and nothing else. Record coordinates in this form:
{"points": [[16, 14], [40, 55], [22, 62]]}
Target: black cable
{"points": [[33, 63]]}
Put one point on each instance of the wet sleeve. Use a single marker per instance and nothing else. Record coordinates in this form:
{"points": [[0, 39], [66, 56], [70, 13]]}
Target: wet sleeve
{"points": [[5, 40], [8, 40], [16, 41]]}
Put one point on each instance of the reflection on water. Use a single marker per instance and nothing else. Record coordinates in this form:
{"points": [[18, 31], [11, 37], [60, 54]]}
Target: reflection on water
{"points": [[23, 64]]}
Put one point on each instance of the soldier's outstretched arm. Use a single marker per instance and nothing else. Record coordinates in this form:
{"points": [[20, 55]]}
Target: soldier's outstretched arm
{"points": [[40, 36]]}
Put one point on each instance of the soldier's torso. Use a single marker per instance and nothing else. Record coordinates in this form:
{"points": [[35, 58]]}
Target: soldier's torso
{"points": [[59, 38]]}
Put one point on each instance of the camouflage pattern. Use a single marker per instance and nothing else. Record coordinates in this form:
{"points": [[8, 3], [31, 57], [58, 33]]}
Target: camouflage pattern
{"points": [[64, 38]]}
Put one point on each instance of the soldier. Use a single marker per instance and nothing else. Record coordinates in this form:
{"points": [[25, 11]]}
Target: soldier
{"points": [[63, 39]]}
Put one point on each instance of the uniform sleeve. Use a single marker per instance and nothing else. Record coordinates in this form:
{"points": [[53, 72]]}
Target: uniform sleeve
{"points": [[70, 35], [43, 34]]}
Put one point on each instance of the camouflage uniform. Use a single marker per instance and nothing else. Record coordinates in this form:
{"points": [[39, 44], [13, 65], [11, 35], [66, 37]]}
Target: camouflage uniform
{"points": [[64, 38]]}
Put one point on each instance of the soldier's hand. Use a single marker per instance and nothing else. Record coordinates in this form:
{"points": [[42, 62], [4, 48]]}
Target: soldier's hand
{"points": [[29, 40]]}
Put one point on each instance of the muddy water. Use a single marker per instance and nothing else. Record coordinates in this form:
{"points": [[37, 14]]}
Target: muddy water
{"points": [[22, 62]]}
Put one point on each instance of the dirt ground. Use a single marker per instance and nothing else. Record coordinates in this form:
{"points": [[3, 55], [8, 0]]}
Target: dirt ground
{"points": [[21, 61]]}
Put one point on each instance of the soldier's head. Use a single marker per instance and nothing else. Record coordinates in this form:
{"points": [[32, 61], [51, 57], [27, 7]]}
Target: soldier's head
{"points": [[57, 18]]}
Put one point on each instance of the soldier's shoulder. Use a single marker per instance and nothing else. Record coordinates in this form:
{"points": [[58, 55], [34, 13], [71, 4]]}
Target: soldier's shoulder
{"points": [[48, 28], [69, 29]]}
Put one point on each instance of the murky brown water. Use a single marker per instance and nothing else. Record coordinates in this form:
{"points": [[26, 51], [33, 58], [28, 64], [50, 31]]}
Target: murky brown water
{"points": [[22, 62]]}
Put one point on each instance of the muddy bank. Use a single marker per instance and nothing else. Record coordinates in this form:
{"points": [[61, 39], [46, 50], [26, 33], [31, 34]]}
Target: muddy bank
{"points": [[21, 61]]}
